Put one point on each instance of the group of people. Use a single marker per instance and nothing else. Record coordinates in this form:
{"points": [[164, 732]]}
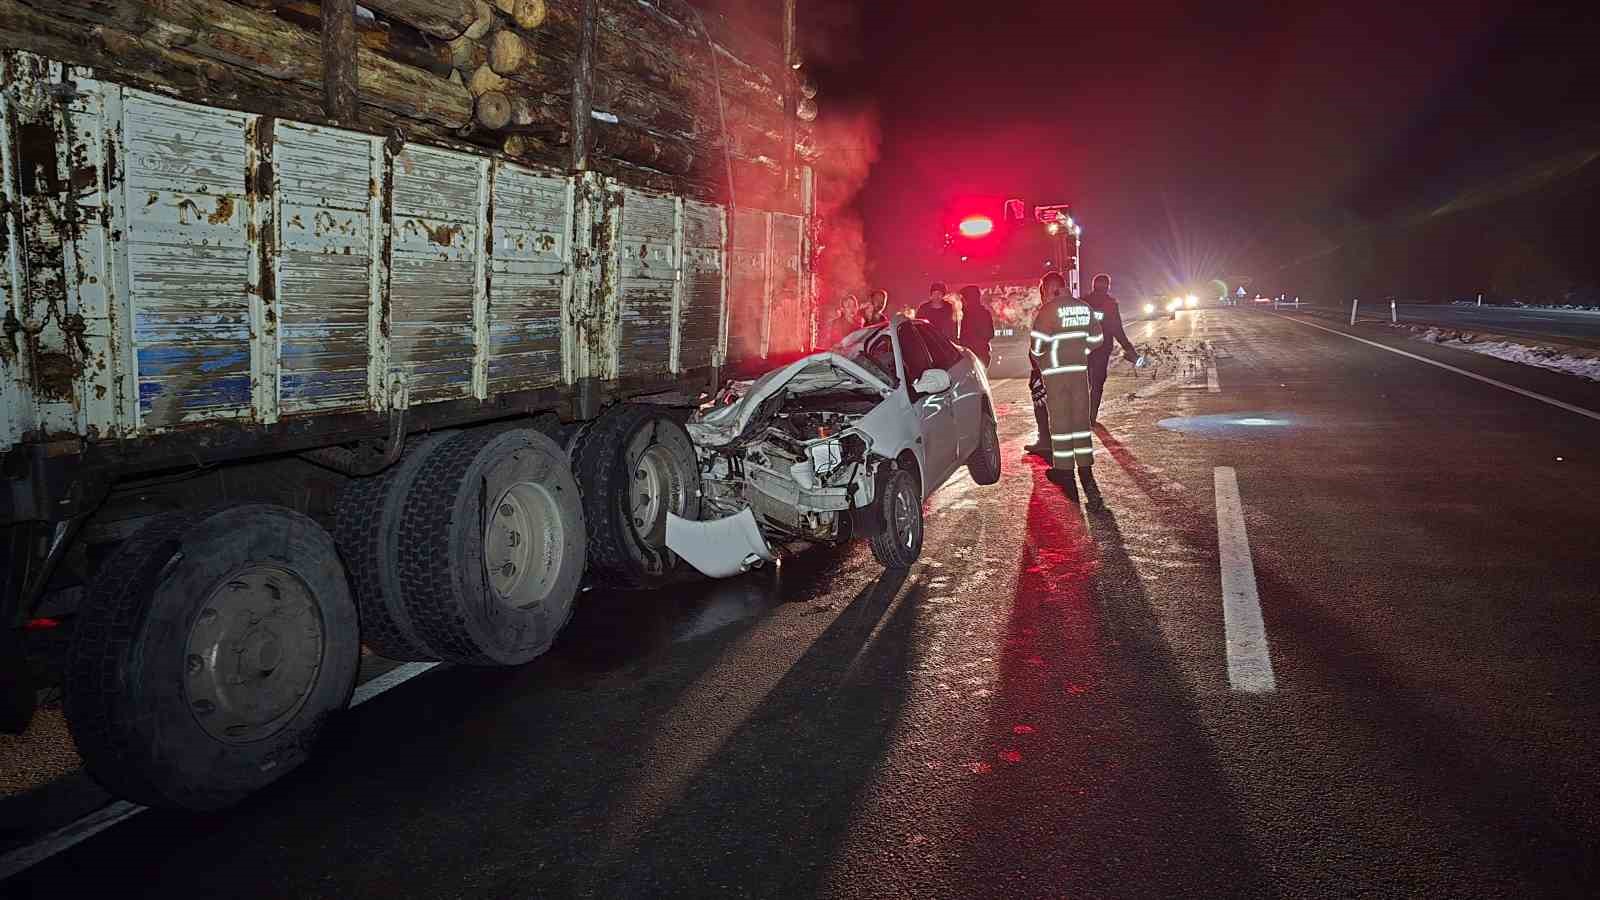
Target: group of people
{"points": [[961, 316]]}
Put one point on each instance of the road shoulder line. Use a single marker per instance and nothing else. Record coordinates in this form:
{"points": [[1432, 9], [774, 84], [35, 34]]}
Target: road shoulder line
{"points": [[1559, 404]]}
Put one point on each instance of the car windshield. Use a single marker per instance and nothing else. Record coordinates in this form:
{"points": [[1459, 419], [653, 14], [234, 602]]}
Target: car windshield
{"points": [[873, 349]]}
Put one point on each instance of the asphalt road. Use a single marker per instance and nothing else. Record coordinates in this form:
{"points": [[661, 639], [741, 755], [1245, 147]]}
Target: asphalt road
{"points": [[1047, 704]]}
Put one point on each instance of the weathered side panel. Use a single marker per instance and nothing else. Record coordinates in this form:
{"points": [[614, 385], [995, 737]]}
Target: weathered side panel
{"points": [[189, 260], [788, 329], [700, 328], [16, 388], [747, 289], [649, 269], [434, 285], [326, 268], [529, 284]]}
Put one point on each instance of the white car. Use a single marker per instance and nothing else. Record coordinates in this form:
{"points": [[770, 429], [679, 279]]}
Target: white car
{"points": [[843, 443]]}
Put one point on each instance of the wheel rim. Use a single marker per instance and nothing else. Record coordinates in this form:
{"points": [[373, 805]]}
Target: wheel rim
{"points": [[906, 522], [522, 544], [253, 654], [659, 486]]}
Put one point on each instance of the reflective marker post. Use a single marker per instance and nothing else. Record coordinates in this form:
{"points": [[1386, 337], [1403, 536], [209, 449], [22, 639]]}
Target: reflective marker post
{"points": [[1394, 317], [1480, 299], [1353, 303]]}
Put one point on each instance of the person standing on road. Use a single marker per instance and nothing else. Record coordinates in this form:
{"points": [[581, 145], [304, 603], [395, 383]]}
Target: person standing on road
{"points": [[876, 312], [940, 312], [977, 324], [1110, 318], [1064, 331]]}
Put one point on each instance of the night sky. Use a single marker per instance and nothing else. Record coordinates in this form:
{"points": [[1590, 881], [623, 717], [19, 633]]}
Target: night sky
{"points": [[1315, 148]]}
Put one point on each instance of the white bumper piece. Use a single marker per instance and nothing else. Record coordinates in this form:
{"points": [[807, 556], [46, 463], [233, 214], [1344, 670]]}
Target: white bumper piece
{"points": [[719, 548]]}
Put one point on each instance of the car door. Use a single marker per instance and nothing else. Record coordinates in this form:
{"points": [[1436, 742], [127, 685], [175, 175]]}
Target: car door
{"points": [[935, 413], [966, 390]]}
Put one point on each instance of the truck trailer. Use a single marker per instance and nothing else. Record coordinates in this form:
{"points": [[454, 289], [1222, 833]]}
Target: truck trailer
{"points": [[284, 374]]}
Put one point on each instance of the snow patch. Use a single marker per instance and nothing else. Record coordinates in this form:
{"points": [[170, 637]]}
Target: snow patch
{"points": [[1543, 357]]}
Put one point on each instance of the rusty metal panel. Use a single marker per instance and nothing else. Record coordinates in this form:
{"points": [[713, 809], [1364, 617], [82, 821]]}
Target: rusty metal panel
{"points": [[17, 413], [189, 259], [648, 263], [787, 317], [747, 289], [325, 266], [700, 318], [435, 286], [529, 283]]}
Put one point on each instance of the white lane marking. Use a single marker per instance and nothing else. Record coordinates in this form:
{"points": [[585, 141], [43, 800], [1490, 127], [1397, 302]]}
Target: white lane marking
{"points": [[77, 832], [389, 681], [24, 858], [1249, 657], [1449, 368], [1212, 384]]}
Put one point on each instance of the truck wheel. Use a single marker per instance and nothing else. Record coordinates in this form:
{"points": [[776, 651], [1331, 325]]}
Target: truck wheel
{"points": [[208, 654], [635, 464], [368, 531], [493, 547], [984, 464], [899, 544]]}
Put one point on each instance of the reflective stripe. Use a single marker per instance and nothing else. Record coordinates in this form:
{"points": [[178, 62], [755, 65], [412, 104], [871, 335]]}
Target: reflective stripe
{"points": [[1096, 338], [1064, 437], [1057, 370], [1080, 434], [1098, 315], [1064, 454], [1084, 451], [1039, 336]]}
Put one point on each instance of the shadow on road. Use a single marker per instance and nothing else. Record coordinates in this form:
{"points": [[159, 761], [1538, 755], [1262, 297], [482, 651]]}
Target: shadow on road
{"points": [[1104, 781]]}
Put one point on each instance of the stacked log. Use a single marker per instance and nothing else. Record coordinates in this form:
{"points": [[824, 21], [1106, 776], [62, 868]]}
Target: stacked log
{"points": [[494, 73]]}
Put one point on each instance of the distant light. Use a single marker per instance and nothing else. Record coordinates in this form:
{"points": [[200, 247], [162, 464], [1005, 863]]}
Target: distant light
{"points": [[1191, 301], [1053, 228], [1070, 223], [976, 226], [963, 259], [1149, 309]]}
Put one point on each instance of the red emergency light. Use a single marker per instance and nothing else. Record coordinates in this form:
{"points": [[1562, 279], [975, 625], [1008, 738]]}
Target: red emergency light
{"points": [[976, 226]]}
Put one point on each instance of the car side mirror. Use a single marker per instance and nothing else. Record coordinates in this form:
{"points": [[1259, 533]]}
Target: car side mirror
{"points": [[933, 381]]}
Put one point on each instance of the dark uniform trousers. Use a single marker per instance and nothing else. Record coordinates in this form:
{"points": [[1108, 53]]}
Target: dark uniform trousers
{"points": [[1064, 331]]}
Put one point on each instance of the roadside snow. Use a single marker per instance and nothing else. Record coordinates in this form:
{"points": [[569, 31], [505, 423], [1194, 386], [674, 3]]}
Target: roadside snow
{"points": [[1543, 357], [1518, 304]]}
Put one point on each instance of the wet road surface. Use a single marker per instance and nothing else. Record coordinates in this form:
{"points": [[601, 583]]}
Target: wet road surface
{"points": [[1042, 707]]}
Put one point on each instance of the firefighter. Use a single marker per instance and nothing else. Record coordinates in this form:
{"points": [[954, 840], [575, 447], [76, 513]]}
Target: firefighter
{"points": [[1110, 318], [1064, 331]]}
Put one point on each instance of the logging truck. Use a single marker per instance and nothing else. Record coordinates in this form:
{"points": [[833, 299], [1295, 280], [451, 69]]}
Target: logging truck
{"points": [[326, 326]]}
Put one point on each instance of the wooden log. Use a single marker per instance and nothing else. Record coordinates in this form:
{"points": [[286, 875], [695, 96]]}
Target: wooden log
{"points": [[392, 38], [466, 54], [339, 59], [527, 14], [642, 147], [269, 46], [484, 80], [483, 20], [500, 111], [440, 18], [510, 54]]}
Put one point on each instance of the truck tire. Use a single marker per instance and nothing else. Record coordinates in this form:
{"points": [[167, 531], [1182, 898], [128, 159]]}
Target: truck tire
{"points": [[492, 547], [984, 463], [899, 543], [635, 464], [208, 654], [367, 527]]}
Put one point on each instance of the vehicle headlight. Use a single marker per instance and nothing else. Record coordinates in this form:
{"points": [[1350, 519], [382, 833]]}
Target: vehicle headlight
{"points": [[1191, 301], [1149, 309]]}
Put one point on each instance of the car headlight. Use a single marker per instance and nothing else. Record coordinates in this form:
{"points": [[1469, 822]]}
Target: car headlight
{"points": [[1191, 301], [1149, 309]]}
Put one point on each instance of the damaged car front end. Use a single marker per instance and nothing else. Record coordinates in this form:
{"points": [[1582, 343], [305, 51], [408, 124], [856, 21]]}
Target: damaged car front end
{"points": [[788, 459]]}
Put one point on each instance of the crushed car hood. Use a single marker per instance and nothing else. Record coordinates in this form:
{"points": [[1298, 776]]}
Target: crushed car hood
{"points": [[817, 372]]}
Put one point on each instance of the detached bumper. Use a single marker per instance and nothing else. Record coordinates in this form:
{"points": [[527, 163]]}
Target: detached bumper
{"points": [[719, 548]]}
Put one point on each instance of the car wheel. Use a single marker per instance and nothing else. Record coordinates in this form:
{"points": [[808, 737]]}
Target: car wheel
{"points": [[493, 540], [635, 465], [208, 654], [899, 543], [984, 464], [367, 526]]}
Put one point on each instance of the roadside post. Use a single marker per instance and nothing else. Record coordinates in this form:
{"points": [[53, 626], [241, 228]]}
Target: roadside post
{"points": [[1353, 303], [1394, 317], [1480, 298]]}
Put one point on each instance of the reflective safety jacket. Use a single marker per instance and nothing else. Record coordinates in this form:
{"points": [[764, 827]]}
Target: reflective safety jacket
{"points": [[1065, 330]]}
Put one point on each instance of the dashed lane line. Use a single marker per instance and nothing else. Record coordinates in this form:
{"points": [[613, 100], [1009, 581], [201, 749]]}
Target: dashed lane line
{"points": [[70, 835], [1249, 656], [1212, 385], [1449, 368]]}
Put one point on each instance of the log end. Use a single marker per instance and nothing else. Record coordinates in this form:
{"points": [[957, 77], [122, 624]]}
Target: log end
{"points": [[494, 110]]}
